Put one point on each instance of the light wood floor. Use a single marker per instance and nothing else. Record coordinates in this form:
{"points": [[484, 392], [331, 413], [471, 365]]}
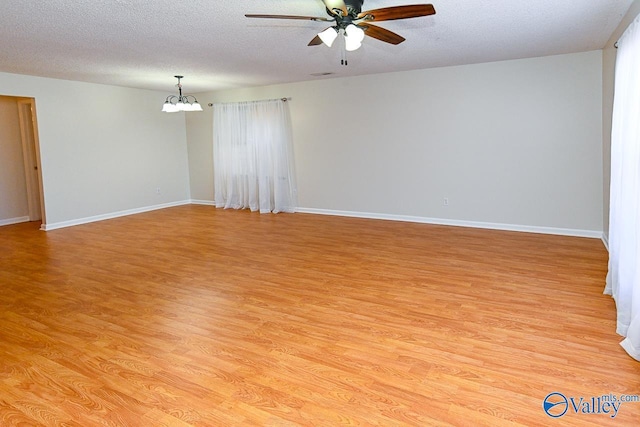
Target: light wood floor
{"points": [[204, 317]]}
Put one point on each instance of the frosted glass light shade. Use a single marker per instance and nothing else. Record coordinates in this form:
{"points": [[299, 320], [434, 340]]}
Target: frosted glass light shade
{"points": [[169, 107], [351, 44], [353, 37], [355, 33], [328, 36]]}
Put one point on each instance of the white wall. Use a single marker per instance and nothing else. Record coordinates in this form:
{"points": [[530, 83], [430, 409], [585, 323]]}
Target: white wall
{"points": [[515, 142], [13, 187], [200, 149], [104, 149], [608, 72]]}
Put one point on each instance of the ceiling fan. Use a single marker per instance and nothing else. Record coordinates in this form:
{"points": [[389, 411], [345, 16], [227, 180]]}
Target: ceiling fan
{"points": [[351, 21]]}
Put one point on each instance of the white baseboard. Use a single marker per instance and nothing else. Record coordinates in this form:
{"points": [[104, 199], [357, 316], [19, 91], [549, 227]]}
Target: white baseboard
{"points": [[605, 240], [86, 220], [365, 215], [17, 220], [457, 223], [203, 202]]}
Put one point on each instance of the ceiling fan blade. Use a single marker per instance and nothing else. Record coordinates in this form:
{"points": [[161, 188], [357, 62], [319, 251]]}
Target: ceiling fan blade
{"points": [[381, 34], [304, 18], [315, 41], [336, 4], [397, 12]]}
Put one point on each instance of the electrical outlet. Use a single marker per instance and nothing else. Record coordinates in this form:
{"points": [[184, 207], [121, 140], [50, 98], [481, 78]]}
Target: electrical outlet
{"points": [[158, 190], [446, 201]]}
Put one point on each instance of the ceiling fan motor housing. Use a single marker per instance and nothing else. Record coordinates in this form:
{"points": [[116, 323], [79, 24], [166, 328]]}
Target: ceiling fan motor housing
{"points": [[354, 7]]}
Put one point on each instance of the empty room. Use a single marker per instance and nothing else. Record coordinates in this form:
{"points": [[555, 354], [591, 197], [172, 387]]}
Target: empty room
{"points": [[319, 213]]}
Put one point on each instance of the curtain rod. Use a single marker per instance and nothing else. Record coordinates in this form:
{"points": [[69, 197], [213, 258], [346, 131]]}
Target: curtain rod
{"points": [[275, 99]]}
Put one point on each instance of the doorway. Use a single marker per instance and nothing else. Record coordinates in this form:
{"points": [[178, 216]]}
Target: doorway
{"points": [[21, 189], [31, 155]]}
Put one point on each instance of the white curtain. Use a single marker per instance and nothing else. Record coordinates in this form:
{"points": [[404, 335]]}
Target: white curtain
{"points": [[253, 156], [623, 279]]}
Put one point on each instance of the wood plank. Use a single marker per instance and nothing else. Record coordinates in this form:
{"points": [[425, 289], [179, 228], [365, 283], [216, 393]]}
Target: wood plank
{"points": [[199, 316]]}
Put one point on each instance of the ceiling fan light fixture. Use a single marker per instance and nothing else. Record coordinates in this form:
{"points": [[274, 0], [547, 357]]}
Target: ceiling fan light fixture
{"points": [[328, 36], [173, 103]]}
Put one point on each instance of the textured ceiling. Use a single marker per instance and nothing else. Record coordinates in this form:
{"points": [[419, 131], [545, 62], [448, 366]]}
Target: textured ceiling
{"points": [[144, 43]]}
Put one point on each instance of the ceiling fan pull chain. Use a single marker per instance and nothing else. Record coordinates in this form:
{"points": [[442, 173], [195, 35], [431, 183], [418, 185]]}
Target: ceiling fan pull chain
{"points": [[344, 61]]}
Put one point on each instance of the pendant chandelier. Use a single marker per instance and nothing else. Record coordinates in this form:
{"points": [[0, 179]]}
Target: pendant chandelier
{"points": [[173, 104]]}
